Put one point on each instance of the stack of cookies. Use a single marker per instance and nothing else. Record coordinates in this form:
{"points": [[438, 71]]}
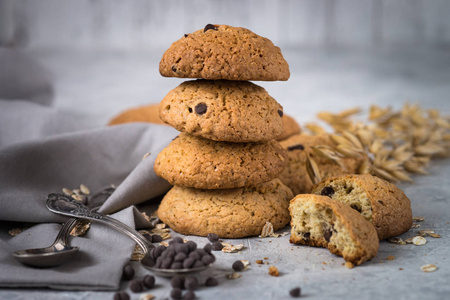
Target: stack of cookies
{"points": [[225, 162]]}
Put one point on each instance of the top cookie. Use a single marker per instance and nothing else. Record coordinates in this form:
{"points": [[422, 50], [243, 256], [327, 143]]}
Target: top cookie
{"points": [[224, 52]]}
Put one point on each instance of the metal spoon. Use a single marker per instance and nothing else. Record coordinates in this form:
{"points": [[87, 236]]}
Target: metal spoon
{"points": [[61, 204], [51, 256]]}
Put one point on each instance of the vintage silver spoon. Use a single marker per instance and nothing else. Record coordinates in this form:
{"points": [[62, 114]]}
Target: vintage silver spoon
{"points": [[51, 256], [67, 206]]}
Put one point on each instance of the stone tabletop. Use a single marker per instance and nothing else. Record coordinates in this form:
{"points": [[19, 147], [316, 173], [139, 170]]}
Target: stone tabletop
{"points": [[96, 86]]}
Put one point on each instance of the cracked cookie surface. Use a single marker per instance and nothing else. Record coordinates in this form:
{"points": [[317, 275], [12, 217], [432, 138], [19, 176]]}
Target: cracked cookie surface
{"points": [[221, 110], [230, 213], [224, 52], [204, 164]]}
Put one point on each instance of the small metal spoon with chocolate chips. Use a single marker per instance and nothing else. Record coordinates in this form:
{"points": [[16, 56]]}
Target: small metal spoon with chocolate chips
{"points": [[67, 206]]}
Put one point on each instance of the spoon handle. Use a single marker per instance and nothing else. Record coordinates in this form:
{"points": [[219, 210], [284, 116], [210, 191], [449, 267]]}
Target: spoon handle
{"points": [[65, 205]]}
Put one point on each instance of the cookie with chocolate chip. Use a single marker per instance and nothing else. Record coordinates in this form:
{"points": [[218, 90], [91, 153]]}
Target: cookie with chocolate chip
{"points": [[224, 52], [378, 201], [322, 222], [295, 175], [222, 110], [230, 213], [205, 164]]}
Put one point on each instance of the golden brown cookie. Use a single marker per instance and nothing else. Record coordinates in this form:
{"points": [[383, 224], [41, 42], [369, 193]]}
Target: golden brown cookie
{"points": [[204, 164], [378, 201], [320, 221], [146, 114], [224, 52], [221, 110], [295, 175], [290, 128], [231, 213]]}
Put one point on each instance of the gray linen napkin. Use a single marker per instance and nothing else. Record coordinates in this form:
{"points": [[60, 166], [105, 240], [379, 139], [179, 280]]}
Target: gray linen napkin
{"points": [[43, 150]]}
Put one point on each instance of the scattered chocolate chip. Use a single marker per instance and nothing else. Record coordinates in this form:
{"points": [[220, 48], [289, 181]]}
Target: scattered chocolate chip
{"points": [[177, 281], [238, 266], [209, 27], [148, 281], [295, 292], [296, 147], [176, 293], [217, 246], [280, 112], [121, 296], [191, 283], [212, 237], [327, 191], [156, 238], [135, 286], [190, 295], [201, 108], [327, 234], [128, 272], [186, 35], [174, 69], [211, 281]]}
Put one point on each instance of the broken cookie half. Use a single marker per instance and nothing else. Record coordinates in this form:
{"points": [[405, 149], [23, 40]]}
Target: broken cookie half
{"points": [[320, 221]]}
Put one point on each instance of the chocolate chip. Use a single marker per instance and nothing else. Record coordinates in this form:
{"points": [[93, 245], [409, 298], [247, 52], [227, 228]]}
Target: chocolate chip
{"points": [[135, 286], [211, 281], [180, 256], [156, 238], [201, 108], [356, 207], [209, 27], [176, 265], [295, 292], [217, 246], [176, 293], [195, 255], [127, 272], [238, 265], [166, 263], [121, 296], [327, 191], [176, 240], [280, 112], [201, 252], [296, 147], [190, 295], [189, 262], [148, 237], [149, 281], [186, 35], [306, 236], [198, 264], [207, 248], [327, 234], [177, 281], [174, 69], [191, 283], [212, 237], [191, 245], [208, 259], [159, 250]]}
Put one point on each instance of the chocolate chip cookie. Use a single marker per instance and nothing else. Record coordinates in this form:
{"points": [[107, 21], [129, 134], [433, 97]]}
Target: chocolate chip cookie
{"points": [[224, 52], [221, 110], [204, 164], [378, 201], [230, 213]]}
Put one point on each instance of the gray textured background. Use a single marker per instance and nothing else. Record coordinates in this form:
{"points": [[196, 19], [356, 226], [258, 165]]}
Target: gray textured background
{"points": [[103, 56]]}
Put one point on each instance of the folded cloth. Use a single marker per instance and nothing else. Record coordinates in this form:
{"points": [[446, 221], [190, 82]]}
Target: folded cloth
{"points": [[96, 158]]}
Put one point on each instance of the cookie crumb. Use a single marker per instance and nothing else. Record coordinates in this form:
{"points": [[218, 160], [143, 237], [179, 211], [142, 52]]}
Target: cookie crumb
{"points": [[429, 268], [233, 275], [146, 297], [349, 265], [390, 257], [273, 271], [418, 219], [259, 261]]}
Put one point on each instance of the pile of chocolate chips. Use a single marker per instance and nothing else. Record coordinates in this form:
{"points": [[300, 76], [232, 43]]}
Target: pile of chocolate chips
{"points": [[180, 255]]}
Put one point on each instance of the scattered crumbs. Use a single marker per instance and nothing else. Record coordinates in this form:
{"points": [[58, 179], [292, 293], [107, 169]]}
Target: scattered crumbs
{"points": [[418, 219], [15, 231], [146, 155], [419, 240], [401, 269], [259, 261], [266, 258], [429, 268], [324, 263], [233, 275], [390, 257], [415, 225], [349, 265], [146, 297], [273, 271]]}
